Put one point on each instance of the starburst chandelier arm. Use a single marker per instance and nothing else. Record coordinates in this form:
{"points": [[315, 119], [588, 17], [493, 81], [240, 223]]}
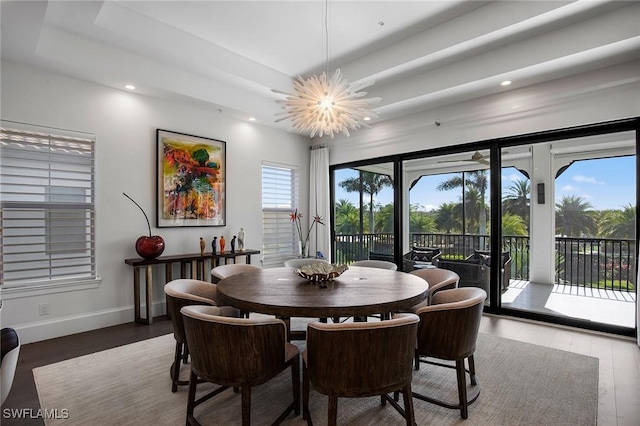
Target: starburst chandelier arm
{"points": [[324, 104]]}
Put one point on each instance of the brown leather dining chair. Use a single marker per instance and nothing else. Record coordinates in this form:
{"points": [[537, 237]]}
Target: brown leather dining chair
{"points": [[448, 330], [355, 360], [380, 264], [299, 263], [247, 353], [438, 279], [183, 292], [223, 271]]}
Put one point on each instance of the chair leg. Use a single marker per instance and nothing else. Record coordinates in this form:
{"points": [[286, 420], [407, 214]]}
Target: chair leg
{"points": [[295, 378], [246, 405], [462, 388], [416, 362], [408, 405], [472, 370], [185, 357], [332, 419], [175, 371], [305, 393], [191, 398]]}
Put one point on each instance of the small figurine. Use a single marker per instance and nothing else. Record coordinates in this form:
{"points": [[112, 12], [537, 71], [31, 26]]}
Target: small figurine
{"points": [[222, 242], [214, 245], [241, 240], [202, 246], [233, 244]]}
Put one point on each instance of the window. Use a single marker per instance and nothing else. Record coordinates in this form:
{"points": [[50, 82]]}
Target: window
{"points": [[47, 206], [279, 200]]}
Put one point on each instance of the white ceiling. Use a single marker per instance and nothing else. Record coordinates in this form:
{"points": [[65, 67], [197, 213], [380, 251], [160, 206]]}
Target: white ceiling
{"points": [[228, 55]]}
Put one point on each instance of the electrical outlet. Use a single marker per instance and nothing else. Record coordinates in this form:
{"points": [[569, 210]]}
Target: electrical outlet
{"points": [[44, 309]]}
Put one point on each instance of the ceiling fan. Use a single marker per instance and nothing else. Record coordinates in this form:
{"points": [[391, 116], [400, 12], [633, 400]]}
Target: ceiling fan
{"points": [[477, 157]]}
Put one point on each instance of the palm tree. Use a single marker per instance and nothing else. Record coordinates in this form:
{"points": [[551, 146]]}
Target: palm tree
{"points": [[384, 218], [448, 218], [369, 183], [420, 221], [347, 217], [574, 217], [513, 224], [619, 223], [478, 181], [518, 199]]}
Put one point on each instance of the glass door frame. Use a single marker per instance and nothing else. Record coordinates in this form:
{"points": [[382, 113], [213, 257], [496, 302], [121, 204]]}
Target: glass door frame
{"points": [[495, 187]]}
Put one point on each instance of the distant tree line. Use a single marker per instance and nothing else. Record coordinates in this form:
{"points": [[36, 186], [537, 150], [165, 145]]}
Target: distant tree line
{"points": [[575, 217]]}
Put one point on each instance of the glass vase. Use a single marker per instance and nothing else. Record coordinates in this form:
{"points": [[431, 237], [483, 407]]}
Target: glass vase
{"points": [[302, 250]]}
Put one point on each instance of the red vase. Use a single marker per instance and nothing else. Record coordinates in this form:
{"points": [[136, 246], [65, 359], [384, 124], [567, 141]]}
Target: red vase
{"points": [[149, 247]]}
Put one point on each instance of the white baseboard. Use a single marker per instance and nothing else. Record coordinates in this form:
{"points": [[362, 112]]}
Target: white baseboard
{"points": [[64, 326]]}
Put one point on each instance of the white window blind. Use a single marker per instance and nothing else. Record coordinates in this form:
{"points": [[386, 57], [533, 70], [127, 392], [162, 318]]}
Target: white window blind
{"points": [[47, 202], [279, 200]]}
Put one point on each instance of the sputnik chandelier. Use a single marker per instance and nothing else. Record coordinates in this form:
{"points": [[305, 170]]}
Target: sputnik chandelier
{"points": [[326, 106]]}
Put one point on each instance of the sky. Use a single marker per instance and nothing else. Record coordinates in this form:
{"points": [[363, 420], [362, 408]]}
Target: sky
{"points": [[604, 183]]}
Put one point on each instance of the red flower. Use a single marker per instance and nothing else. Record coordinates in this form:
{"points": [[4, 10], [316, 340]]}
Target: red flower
{"points": [[296, 217]]}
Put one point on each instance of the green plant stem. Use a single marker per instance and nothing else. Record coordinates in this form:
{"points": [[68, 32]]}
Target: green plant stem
{"points": [[145, 215]]}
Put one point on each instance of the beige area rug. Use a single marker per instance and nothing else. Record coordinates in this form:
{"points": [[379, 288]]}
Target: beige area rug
{"points": [[522, 384]]}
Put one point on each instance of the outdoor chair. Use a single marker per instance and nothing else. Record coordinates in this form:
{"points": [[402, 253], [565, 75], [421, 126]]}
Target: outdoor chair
{"points": [[240, 353], [421, 256], [484, 258], [355, 360]]}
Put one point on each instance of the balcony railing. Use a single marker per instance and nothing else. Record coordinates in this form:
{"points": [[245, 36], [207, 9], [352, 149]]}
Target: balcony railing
{"points": [[604, 263]]}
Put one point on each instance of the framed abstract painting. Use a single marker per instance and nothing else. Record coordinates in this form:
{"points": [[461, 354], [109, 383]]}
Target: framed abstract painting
{"points": [[191, 180]]}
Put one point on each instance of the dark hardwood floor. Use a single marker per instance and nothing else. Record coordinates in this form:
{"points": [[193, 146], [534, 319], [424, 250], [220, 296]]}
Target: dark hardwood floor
{"points": [[23, 394]]}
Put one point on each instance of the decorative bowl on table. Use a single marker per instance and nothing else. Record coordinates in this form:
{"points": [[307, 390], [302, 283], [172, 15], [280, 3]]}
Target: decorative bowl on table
{"points": [[320, 272]]}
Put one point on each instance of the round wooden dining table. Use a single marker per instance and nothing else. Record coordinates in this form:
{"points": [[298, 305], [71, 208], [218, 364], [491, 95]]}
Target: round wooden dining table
{"points": [[359, 291]]}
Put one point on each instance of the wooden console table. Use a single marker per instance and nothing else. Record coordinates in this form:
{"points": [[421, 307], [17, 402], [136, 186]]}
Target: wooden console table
{"points": [[198, 266]]}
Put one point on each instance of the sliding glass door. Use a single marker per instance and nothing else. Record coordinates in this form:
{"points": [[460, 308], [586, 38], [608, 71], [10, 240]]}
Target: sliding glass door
{"points": [[582, 212], [364, 213]]}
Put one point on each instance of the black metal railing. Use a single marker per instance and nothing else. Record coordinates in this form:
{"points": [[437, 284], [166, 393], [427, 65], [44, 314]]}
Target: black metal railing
{"points": [[596, 263], [604, 263]]}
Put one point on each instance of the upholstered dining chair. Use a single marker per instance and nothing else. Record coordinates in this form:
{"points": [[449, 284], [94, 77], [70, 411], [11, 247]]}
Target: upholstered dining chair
{"points": [[380, 264], [357, 360], [448, 330], [238, 352], [183, 292], [298, 263], [438, 279], [9, 360], [223, 271], [368, 263]]}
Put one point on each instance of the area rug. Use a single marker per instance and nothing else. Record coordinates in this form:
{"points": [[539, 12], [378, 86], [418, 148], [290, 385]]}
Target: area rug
{"points": [[522, 384]]}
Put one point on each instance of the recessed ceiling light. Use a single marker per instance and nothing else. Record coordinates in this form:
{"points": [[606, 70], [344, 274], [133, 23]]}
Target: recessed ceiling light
{"points": [[505, 83], [129, 86], [367, 118], [252, 119]]}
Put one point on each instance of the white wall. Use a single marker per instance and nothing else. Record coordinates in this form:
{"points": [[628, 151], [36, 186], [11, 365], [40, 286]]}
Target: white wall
{"points": [[125, 127]]}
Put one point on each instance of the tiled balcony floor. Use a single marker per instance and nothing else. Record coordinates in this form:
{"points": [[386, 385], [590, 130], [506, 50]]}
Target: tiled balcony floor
{"points": [[603, 306]]}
